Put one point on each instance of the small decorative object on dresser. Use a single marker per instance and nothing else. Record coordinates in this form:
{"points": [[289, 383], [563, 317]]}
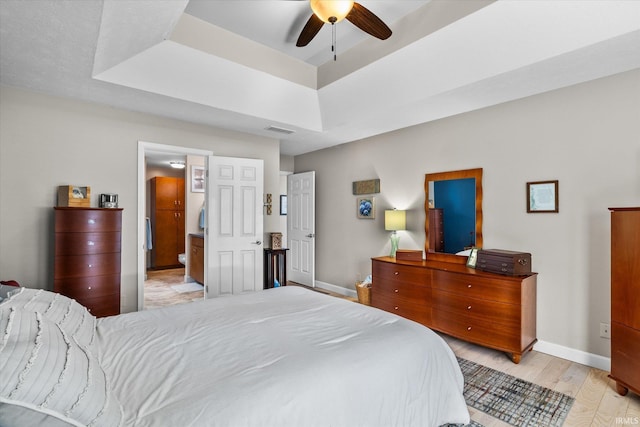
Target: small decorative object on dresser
{"points": [[109, 201], [625, 299], [74, 196], [87, 257], [473, 258], [409, 255], [504, 262]]}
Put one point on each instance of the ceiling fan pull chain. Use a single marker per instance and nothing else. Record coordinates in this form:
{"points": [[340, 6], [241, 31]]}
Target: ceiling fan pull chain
{"points": [[333, 40]]}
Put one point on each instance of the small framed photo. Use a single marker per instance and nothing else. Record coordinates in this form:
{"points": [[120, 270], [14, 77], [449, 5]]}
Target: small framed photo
{"points": [[366, 207], [542, 196], [473, 258], [197, 179], [283, 204]]}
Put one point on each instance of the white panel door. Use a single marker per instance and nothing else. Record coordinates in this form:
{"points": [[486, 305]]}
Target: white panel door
{"points": [[301, 226], [234, 226]]}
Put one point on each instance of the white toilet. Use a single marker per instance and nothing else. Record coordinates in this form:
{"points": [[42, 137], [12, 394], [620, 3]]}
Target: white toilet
{"points": [[182, 258]]}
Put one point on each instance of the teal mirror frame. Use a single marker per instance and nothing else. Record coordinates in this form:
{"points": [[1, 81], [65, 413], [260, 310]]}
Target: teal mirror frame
{"points": [[442, 176]]}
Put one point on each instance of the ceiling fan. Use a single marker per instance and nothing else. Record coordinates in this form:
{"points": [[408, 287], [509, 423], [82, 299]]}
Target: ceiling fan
{"points": [[333, 11]]}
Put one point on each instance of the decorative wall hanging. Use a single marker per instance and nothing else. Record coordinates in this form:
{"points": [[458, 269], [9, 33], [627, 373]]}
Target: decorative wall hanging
{"points": [[197, 179], [542, 196], [283, 204], [366, 187], [366, 207]]}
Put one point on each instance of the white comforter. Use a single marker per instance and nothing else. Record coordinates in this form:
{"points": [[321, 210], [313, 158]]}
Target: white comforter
{"points": [[281, 357]]}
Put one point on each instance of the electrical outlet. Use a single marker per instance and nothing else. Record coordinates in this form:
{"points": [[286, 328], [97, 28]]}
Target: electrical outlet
{"points": [[605, 332]]}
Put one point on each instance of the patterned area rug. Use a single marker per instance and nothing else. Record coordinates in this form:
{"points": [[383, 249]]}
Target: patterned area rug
{"points": [[512, 400]]}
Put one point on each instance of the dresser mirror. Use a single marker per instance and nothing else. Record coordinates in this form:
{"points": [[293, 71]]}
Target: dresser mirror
{"points": [[453, 201]]}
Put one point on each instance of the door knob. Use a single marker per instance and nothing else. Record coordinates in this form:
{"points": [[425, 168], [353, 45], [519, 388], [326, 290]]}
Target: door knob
{"points": [[310, 236], [257, 242]]}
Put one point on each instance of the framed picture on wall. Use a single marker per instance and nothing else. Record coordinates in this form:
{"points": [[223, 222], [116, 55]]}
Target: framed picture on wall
{"points": [[542, 196], [366, 207], [283, 204], [197, 179]]}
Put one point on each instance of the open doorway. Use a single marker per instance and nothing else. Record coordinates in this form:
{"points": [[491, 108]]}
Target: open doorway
{"points": [[170, 212]]}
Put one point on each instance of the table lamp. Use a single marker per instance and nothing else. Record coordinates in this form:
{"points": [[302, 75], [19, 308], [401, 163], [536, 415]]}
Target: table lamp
{"points": [[395, 220]]}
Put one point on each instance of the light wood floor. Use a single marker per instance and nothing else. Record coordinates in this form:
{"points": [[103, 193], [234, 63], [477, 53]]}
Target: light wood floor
{"points": [[596, 402]]}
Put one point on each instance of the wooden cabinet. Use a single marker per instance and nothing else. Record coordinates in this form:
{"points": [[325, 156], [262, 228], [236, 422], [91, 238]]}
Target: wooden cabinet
{"points": [[167, 221], [275, 267], [87, 257], [488, 309], [625, 299], [436, 230], [196, 259]]}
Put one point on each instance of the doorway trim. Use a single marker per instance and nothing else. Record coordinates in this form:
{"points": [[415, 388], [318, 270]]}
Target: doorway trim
{"points": [[144, 148]]}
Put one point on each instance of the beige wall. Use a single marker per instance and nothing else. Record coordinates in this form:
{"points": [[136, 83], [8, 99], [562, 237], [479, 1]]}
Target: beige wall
{"points": [[586, 136], [47, 141]]}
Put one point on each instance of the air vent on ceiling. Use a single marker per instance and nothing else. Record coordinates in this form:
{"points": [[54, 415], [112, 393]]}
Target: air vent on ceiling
{"points": [[280, 130]]}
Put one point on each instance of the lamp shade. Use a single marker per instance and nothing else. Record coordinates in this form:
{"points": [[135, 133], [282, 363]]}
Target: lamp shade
{"points": [[326, 9], [395, 220]]}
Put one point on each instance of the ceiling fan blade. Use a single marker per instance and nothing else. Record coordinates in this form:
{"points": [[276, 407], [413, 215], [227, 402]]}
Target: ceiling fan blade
{"points": [[309, 31], [368, 22]]}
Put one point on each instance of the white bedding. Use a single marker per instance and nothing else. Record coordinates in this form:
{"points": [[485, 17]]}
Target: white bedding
{"points": [[281, 357]]}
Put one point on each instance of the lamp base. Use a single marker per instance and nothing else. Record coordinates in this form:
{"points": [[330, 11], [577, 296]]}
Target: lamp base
{"points": [[395, 239]]}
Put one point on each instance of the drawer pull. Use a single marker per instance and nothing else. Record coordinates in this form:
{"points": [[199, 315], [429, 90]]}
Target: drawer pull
{"points": [[396, 273], [90, 243], [395, 290], [90, 265], [89, 288], [469, 286], [469, 328], [91, 221], [468, 307], [395, 308]]}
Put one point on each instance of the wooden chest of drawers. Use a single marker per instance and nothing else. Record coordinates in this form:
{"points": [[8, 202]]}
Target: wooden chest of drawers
{"points": [[484, 308], [403, 290], [87, 257]]}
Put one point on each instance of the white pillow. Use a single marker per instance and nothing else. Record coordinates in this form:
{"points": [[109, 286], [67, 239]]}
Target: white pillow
{"points": [[44, 369], [67, 313]]}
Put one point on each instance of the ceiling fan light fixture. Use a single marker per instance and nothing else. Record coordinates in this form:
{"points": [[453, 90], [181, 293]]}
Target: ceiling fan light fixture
{"points": [[177, 164], [331, 11]]}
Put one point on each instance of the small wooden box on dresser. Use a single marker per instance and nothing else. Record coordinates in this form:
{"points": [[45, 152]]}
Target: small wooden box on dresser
{"points": [[87, 257], [625, 299], [489, 309]]}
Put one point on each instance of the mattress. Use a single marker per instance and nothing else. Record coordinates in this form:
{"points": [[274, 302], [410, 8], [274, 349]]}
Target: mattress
{"points": [[285, 356]]}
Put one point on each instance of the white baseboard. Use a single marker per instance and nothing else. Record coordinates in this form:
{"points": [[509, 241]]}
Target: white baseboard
{"points": [[578, 356], [337, 289]]}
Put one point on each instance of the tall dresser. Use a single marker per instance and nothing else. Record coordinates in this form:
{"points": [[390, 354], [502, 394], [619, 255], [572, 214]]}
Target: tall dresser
{"points": [[436, 229], [625, 299], [87, 257], [167, 221]]}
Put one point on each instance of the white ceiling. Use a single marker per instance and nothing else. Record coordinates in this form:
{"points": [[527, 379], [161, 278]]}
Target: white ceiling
{"points": [[233, 64]]}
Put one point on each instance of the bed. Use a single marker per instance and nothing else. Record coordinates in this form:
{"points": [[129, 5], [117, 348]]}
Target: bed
{"points": [[286, 356]]}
